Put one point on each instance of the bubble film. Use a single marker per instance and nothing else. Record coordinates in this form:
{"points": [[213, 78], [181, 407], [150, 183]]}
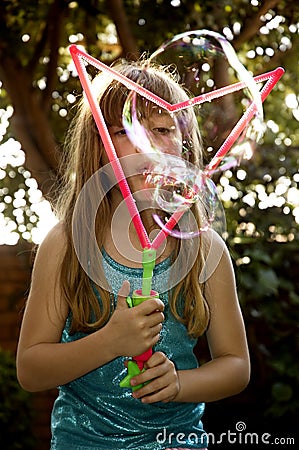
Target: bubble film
{"points": [[204, 62], [201, 62], [219, 89]]}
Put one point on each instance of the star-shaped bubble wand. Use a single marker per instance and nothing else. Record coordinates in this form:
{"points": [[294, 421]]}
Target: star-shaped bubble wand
{"points": [[81, 59]]}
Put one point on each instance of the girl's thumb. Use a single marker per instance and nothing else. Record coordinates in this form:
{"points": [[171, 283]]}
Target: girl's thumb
{"points": [[122, 295]]}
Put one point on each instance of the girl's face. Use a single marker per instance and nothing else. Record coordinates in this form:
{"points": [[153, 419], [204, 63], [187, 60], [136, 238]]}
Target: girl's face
{"points": [[160, 136]]}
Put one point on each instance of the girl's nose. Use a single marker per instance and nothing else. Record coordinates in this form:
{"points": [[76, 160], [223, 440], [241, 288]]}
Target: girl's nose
{"points": [[137, 149]]}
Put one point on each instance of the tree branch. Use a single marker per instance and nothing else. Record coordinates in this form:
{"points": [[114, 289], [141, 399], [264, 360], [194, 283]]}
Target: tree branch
{"points": [[253, 23], [55, 20], [119, 17], [30, 123]]}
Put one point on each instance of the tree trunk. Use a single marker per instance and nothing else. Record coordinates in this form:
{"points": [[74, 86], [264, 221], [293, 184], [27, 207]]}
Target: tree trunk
{"points": [[124, 30], [30, 124]]}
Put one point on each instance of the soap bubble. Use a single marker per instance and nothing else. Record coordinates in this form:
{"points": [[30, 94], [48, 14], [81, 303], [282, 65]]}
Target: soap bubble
{"points": [[206, 62], [219, 90]]}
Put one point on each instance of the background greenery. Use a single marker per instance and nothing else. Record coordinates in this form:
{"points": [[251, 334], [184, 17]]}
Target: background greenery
{"points": [[39, 83], [16, 412]]}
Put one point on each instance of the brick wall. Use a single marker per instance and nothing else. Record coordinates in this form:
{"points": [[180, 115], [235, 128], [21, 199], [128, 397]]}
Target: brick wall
{"points": [[15, 271]]}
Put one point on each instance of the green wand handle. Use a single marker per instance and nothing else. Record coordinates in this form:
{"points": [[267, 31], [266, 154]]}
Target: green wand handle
{"points": [[135, 366]]}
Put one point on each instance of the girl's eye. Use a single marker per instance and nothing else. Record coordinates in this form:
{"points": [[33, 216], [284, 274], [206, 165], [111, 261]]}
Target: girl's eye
{"points": [[121, 132], [161, 130]]}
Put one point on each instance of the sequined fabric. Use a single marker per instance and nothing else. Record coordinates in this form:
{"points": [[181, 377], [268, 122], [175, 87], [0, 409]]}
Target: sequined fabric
{"points": [[93, 412]]}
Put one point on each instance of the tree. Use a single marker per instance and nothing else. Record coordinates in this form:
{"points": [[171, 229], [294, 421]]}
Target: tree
{"points": [[260, 197], [35, 70]]}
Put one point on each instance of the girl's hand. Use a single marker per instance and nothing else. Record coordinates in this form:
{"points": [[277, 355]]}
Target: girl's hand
{"points": [[134, 330], [163, 382]]}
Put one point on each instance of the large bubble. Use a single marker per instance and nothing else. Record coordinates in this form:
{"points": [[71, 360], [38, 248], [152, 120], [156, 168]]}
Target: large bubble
{"points": [[217, 92], [210, 70], [179, 187]]}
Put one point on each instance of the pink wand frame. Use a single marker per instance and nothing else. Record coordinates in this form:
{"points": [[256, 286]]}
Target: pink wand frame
{"points": [[80, 58]]}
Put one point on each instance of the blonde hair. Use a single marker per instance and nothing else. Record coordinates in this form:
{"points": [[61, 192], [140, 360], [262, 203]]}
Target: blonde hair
{"points": [[83, 153]]}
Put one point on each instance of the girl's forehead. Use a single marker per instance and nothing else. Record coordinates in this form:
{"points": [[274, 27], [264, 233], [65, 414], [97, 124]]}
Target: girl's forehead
{"points": [[156, 116], [157, 110], [158, 113]]}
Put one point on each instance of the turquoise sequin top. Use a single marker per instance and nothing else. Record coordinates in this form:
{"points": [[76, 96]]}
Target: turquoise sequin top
{"points": [[93, 412]]}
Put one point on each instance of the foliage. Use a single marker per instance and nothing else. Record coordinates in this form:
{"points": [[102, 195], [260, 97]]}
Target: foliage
{"points": [[263, 244], [16, 412], [17, 202]]}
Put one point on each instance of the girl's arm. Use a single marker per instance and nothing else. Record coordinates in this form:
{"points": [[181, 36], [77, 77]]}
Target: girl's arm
{"points": [[228, 371], [42, 361]]}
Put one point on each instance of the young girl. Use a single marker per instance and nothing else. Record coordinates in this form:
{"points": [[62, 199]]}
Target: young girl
{"points": [[78, 331]]}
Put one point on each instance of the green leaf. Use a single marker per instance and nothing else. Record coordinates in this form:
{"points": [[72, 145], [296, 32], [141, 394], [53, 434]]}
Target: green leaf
{"points": [[282, 392]]}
